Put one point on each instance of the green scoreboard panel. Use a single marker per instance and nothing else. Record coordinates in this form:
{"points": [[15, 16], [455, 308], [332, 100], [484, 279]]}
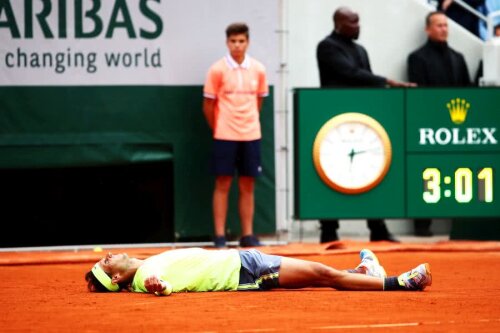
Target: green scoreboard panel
{"points": [[439, 156]]}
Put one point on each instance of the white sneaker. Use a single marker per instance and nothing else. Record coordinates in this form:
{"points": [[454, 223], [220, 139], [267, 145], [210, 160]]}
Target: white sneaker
{"points": [[370, 265], [416, 279]]}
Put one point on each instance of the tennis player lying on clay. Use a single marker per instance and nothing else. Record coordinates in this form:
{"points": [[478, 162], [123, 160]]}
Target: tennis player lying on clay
{"points": [[197, 269]]}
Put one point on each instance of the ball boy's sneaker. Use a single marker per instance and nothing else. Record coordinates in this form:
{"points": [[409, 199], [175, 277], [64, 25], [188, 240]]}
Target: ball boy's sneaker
{"points": [[249, 241], [220, 242], [416, 279], [370, 265]]}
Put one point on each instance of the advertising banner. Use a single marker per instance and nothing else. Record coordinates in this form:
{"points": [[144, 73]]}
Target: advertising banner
{"points": [[99, 42]]}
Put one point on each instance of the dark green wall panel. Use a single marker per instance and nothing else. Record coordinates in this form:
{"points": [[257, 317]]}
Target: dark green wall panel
{"points": [[46, 127]]}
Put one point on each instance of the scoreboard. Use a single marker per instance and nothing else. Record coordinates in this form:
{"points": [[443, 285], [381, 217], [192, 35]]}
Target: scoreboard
{"points": [[396, 153]]}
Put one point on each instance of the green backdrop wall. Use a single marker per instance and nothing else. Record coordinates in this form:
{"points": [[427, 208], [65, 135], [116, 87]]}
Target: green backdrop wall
{"points": [[98, 126]]}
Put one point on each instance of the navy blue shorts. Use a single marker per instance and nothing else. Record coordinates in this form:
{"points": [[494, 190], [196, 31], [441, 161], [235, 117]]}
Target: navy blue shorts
{"points": [[231, 156], [259, 271]]}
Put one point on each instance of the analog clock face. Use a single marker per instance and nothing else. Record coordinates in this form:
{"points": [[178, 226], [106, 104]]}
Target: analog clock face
{"points": [[352, 153]]}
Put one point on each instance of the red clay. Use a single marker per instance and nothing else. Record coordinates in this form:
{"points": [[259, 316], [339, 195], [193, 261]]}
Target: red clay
{"points": [[464, 297]]}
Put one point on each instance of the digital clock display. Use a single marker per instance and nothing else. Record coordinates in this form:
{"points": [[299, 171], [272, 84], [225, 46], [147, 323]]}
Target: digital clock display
{"points": [[448, 185], [466, 185]]}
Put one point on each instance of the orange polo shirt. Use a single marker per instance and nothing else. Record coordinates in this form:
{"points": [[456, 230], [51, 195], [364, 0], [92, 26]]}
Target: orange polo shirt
{"points": [[236, 87]]}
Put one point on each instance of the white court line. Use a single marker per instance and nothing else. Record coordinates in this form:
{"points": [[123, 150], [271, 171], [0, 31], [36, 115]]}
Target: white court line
{"points": [[340, 327], [76, 248], [343, 327], [258, 330]]}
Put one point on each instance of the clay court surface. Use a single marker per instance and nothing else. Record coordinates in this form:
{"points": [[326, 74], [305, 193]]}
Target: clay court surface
{"points": [[45, 292]]}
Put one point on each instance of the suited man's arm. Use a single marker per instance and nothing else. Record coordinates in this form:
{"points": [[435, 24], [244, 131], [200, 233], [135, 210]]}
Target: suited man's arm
{"points": [[416, 70], [464, 73]]}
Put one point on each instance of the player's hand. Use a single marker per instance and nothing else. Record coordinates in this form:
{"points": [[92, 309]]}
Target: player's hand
{"points": [[153, 284]]}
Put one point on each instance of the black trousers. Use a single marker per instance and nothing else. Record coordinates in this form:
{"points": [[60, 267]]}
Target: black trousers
{"points": [[422, 224], [377, 227]]}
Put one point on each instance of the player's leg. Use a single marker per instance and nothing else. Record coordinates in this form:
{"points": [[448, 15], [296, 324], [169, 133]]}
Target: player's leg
{"points": [[297, 273]]}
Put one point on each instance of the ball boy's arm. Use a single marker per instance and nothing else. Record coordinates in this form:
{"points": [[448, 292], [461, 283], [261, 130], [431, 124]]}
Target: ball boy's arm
{"points": [[260, 100], [208, 110]]}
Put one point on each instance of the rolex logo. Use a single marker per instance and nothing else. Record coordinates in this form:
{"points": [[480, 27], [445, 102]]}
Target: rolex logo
{"points": [[458, 110], [443, 136]]}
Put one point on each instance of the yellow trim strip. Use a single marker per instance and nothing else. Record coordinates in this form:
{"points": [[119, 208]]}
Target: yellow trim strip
{"points": [[248, 286], [258, 282], [267, 277]]}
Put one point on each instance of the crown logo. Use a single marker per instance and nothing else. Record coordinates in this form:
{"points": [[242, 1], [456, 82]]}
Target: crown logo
{"points": [[458, 110]]}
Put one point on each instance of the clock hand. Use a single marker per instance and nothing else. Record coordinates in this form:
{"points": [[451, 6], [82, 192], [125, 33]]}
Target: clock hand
{"points": [[351, 155], [362, 151]]}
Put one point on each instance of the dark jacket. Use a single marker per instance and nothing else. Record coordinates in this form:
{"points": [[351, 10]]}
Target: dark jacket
{"points": [[437, 64], [344, 63]]}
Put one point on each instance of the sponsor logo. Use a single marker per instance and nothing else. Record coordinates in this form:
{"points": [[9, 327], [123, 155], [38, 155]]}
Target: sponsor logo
{"points": [[85, 20], [458, 109], [74, 37]]}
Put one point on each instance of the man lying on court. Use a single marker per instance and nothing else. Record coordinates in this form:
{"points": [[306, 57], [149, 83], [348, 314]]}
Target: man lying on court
{"points": [[197, 269]]}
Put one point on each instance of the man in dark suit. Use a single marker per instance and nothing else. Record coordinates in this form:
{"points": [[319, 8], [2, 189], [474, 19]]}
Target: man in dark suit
{"points": [[344, 63], [435, 64]]}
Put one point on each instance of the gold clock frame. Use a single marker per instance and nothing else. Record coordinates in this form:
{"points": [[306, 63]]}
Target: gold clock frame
{"points": [[351, 117]]}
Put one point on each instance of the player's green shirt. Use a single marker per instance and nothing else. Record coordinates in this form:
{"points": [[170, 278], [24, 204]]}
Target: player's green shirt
{"points": [[193, 269]]}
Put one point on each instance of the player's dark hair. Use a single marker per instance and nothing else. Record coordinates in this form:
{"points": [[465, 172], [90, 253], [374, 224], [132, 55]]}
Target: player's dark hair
{"points": [[237, 29], [93, 284]]}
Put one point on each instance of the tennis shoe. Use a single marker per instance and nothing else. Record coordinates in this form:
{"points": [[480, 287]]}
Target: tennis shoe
{"points": [[370, 265], [249, 241], [220, 242], [416, 279]]}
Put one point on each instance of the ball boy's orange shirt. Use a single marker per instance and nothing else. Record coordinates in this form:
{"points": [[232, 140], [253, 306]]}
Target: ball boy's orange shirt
{"points": [[236, 88]]}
